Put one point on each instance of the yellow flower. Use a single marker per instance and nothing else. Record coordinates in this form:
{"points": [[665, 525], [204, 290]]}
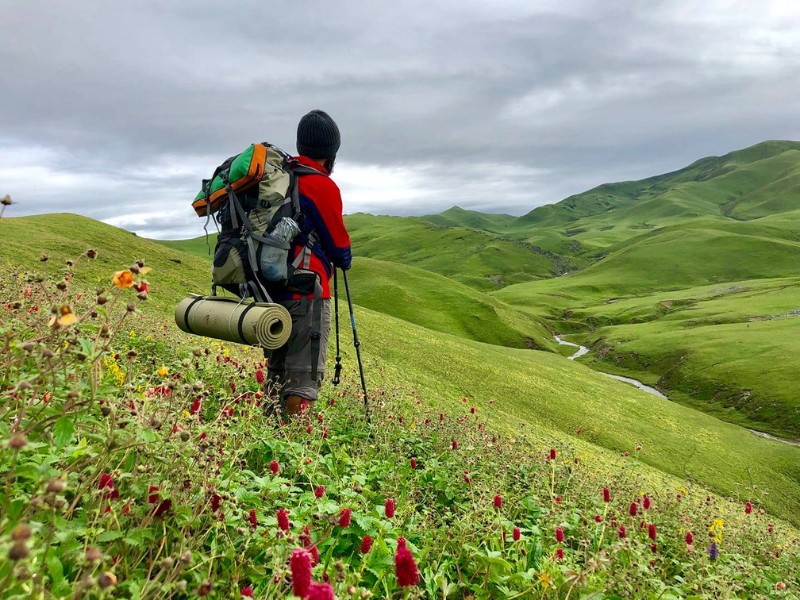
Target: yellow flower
{"points": [[683, 491], [163, 371], [545, 580], [123, 279], [64, 317]]}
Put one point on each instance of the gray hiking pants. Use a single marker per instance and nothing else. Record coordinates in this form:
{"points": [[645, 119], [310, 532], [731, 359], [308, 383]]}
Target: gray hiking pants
{"points": [[298, 366]]}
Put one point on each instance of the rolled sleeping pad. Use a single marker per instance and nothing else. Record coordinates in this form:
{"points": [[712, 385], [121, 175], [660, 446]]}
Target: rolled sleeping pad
{"points": [[228, 319]]}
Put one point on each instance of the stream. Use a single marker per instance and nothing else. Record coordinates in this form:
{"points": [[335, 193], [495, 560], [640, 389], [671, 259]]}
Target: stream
{"points": [[581, 350]]}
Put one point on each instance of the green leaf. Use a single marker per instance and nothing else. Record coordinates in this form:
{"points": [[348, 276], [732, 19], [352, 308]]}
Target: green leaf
{"points": [[56, 571], [107, 536], [63, 431]]}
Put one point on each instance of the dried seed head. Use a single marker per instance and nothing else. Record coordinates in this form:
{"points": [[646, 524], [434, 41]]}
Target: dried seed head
{"points": [[106, 410], [18, 551], [181, 585], [93, 554], [131, 307], [186, 557], [134, 268], [23, 574], [73, 395], [21, 533], [92, 253], [47, 353], [101, 300], [18, 442], [16, 305], [107, 580], [56, 486], [365, 594], [351, 591], [28, 346], [205, 588], [44, 258], [167, 563], [23, 386], [185, 436], [61, 285], [142, 295]]}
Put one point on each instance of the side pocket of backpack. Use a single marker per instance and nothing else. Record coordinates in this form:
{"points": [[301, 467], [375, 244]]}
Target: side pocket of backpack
{"points": [[230, 264]]}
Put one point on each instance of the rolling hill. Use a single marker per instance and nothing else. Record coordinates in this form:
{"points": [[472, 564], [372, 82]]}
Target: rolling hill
{"points": [[541, 392]]}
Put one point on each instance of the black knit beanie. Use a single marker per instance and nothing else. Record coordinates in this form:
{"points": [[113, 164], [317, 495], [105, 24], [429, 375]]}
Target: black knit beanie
{"points": [[318, 136]]}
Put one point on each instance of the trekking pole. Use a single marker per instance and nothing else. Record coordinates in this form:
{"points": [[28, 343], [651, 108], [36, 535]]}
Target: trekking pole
{"points": [[356, 343], [337, 372]]}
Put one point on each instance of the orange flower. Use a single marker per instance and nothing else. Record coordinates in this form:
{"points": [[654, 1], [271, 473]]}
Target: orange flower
{"points": [[64, 317], [123, 279]]}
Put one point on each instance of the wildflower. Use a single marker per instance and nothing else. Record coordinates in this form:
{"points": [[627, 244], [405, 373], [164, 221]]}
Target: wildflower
{"points": [[314, 555], [389, 508], [622, 532], [405, 569], [560, 553], [771, 528], [558, 499], [320, 591], [651, 531], [654, 547], [63, 317], [253, 519], [559, 534], [647, 503], [274, 467], [552, 453], [300, 565], [598, 519], [283, 519], [638, 448], [498, 501], [163, 371], [260, 376], [413, 463], [246, 592], [748, 508], [634, 509], [155, 498], [123, 279], [320, 418], [195, 407], [308, 430], [713, 551], [142, 288], [366, 544], [319, 492], [689, 537], [216, 500], [344, 517], [780, 585], [606, 495], [455, 445], [516, 534]]}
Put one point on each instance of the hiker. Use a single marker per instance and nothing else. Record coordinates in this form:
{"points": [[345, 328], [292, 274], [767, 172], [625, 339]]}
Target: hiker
{"points": [[297, 368]]}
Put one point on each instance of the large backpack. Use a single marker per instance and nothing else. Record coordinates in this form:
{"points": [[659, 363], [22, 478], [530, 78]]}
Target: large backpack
{"points": [[254, 199]]}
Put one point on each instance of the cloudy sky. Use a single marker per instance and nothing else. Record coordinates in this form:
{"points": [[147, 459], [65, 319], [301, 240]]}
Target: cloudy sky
{"points": [[117, 110]]}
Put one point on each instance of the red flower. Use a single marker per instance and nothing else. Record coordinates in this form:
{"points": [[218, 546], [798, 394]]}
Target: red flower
{"points": [[320, 418], [319, 492], [320, 591], [195, 408], [405, 569], [455, 445], [559, 534], [606, 495], [274, 467], [253, 519], [516, 535], [654, 547], [142, 287], [260, 376], [598, 518], [634, 509], [651, 531], [472, 410], [560, 554], [413, 463], [748, 508], [647, 504], [389, 508], [622, 532], [314, 555], [246, 592], [558, 499], [154, 497], [216, 499], [498, 501], [344, 517], [552, 453], [300, 565], [689, 537], [308, 430], [366, 544], [441, 417], [107, 483], [283, 519]]}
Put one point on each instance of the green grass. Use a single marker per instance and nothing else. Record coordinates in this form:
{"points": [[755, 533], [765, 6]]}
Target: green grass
{"points": [[549, 395], [458, 217], [444, 305]]}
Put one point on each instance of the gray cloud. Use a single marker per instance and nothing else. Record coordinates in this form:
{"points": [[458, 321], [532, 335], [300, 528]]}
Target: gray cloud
{"points": [[117, 111]]}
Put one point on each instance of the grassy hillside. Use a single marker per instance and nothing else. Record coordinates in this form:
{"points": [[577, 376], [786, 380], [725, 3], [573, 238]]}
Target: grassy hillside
{"points": [[442, 304], [458, 217], [751, 183], [516, 391]]}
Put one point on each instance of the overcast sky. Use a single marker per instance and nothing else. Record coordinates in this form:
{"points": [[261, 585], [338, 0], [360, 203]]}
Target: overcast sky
{"points": [[117, 110]]}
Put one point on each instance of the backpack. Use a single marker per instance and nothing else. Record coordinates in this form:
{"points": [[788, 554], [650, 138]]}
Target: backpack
{"points": [[254, 199]]}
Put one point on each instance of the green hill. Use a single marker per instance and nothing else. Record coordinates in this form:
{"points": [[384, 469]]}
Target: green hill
{"points": [[458, 217], [550, 396]]}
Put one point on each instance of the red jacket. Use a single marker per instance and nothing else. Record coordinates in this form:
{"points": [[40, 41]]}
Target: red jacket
{"points": [[321, 208]]}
